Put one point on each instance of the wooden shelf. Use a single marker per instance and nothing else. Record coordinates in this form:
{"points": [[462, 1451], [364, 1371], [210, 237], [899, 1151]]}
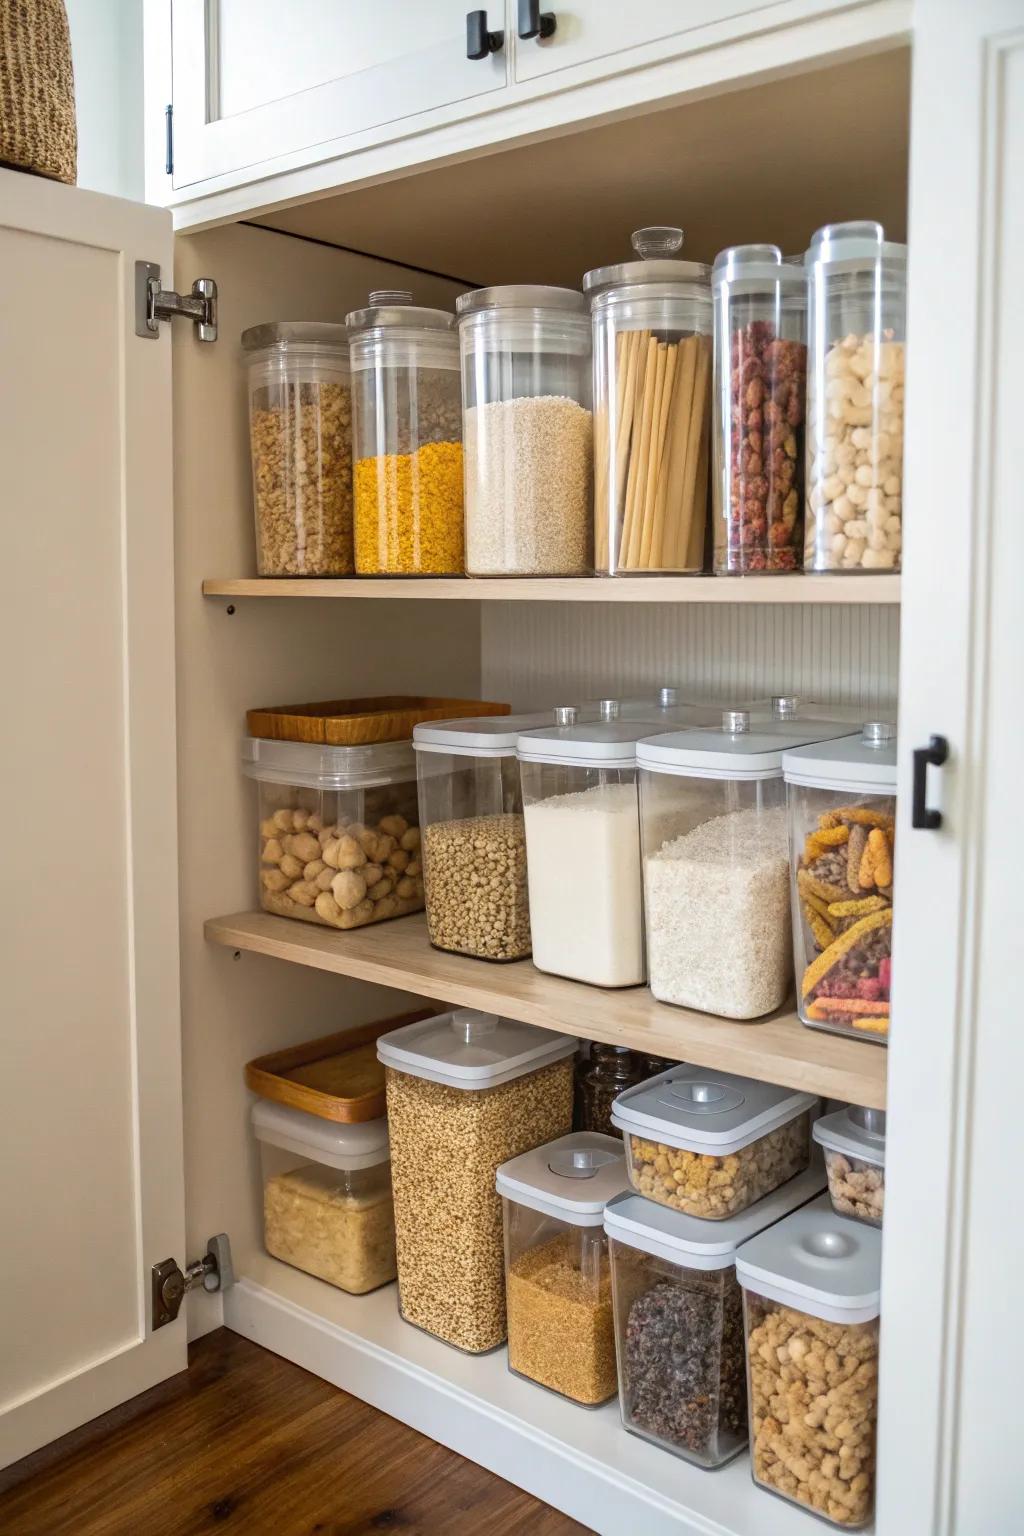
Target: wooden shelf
{"points": [[777, 1049], [573, 589]]}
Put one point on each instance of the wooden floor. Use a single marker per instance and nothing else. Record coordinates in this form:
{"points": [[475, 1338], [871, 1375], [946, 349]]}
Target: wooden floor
{"points": [[246, 1442]]}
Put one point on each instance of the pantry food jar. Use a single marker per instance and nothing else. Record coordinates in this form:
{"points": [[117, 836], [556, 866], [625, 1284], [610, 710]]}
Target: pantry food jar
{"points": [[528, 431], [679, 1320], [666, 707], [811, 1321], [853, 1140], [300, 434], [652, 325], [709, 1144], [788, 709], [466, 1091], [857, 293], [339, 836], [842, 818], [327, 1204], [407, 433], [557, 1280], [609, 1071], [760, 390]]}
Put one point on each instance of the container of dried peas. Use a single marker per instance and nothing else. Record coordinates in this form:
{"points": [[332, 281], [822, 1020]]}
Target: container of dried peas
{"points": [[407, 439]]}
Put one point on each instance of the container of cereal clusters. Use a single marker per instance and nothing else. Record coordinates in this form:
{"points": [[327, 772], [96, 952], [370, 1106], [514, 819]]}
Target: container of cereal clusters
{"points": [[853, 1140], [466, 1091], [327, 1204], [300, 433], [857, 295], [526, 390], [709, 1144], [557, 1280], [679, 1320], [407, 439], [842, 816], [811, 1321]]}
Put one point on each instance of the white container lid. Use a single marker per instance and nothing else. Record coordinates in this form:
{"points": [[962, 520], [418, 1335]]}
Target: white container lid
{"points": [[602, 744], [705, 1111], [732, 750], [488, 736], [698, 1244], [322, 1141], [471, 1049], [856, 246], [854, 1131], [756, 269], [309, 765], [864, 764], [572, 1178], [818, 1262]]}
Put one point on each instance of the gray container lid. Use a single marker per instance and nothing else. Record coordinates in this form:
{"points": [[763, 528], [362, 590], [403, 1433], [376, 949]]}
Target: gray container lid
{"points": [[309, 765], [855, 1131], [488, 736], [856, 246], [733, 751], [864, 764], [715, 1113], [295, 333], [571, 1179], [471, 1049], [561, 301], [393, 307], [602, 744], [656, 246], [750, 268], [818, 1262], [364, 1145]]}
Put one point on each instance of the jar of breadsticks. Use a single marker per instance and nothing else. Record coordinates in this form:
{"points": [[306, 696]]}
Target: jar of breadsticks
{"points": [[652, 329]]}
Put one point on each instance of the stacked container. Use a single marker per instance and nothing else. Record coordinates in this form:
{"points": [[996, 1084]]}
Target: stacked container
{"points": [[853, 1141], [602, 1077]]}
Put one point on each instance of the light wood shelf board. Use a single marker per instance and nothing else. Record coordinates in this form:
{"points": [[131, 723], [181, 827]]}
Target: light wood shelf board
{"points": [[573, 589], [777, 1049]]}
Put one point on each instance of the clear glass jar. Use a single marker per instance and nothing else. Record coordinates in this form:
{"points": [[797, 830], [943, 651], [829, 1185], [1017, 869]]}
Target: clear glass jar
{"points": [[652, 405], [853, 1141], [528, 431], [760, 393], [300, 434], [610, 1071], [857, 290], [407, 433]]}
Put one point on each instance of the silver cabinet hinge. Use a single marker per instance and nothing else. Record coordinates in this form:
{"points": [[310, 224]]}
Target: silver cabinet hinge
{"points": [[154, 303], [170, 1284]]}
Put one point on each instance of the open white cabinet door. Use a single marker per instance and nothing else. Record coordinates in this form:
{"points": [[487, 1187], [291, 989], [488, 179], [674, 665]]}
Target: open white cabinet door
{"points": [[91, 1184]]}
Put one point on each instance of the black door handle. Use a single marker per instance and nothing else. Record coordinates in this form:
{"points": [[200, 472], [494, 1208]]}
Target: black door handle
{"points": [[479, 42], [933, 755], [532, 23]]}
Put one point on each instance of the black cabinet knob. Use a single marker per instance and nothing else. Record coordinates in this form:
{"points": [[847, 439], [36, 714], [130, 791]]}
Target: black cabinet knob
{"points": [[931, 756], [532, 23], [479, 42]]}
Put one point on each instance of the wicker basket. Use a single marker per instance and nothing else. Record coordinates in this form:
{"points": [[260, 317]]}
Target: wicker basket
{"points": [[38, 132]]}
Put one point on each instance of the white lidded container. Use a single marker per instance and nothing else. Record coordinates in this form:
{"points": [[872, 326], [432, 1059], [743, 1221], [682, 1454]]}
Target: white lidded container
{"points": [[466, 1091], [557, 1279], [666, 706], [811, 1303], [853, 1140], [679, 1320], [327, 1204], [709, 1143], [786, 709]]}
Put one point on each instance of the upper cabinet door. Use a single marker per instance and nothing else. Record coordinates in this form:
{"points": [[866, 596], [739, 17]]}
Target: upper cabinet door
{"points": [[256, 80]]}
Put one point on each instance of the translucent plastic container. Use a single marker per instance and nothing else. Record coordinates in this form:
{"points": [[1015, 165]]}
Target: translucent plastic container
{"points": [[466, 1092], [679, 1320], [327, 1204], [710, 1144], [857, 293], [842, 818], [760, 390], [557, 1279], [853, 1141], [652, 407], [528, 429], [407, 432], [300, 434], [608, 1072], [811, 1319], [339, 837]]}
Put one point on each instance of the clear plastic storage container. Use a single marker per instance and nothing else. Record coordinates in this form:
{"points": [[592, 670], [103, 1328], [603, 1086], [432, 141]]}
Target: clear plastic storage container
{"points": [[853, 1141], [857, 293], [300, 434], [842, 817], [339, 837], [811, 1320], [466, 1091], [652, 406], [760, 392], [608, 1072], [407, 432], [327, 1204], [709, 1144], [557, 1280], [679, 1320], [528, 427]]}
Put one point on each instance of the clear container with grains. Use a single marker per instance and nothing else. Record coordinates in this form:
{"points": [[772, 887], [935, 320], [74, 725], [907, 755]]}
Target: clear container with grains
{"points": [[857, 295], [710, 1144], [842, 821], [853, 1140], [407, 439], [679, 1320], [652, 407], [327, 1204], [557, 1280], [528, 431], [300, 435], [811, 1322], [466, 1091]]}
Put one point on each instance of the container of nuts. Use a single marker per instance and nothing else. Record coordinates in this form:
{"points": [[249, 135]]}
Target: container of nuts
{"points": [[710, 1144], [853, 1140], [300, 433], [811, 1303], [466, 1091]]}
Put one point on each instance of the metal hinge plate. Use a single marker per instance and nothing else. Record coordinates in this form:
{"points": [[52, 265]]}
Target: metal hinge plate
{"points": [[154, 303], [170, 1284]]}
